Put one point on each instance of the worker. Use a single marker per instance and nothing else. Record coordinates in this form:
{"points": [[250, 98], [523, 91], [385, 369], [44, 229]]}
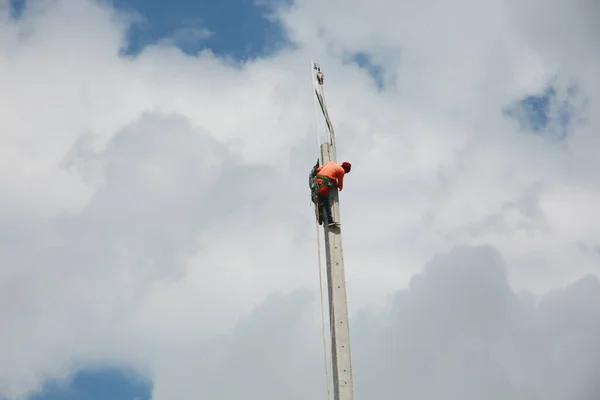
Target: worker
{"points": [[326, 177]]}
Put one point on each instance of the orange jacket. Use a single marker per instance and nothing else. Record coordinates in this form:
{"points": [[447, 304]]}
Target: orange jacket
{"points": [[334, 171]]}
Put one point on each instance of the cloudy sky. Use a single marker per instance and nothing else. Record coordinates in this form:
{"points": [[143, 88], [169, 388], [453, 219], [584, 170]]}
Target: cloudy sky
{"points": [[157, 239]]}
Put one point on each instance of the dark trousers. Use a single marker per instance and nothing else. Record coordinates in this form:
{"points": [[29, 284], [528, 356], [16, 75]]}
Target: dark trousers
{"points": [[325, 201]]}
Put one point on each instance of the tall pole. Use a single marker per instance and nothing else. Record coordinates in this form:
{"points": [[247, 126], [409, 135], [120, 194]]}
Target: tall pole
{"points": [[343, 388]]}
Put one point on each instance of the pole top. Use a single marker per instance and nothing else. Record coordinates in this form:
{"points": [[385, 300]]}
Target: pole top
{"points": [[320, 76]]}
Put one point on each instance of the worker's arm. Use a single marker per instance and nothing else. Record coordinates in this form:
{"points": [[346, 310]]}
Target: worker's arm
{"points": [[340, 184]]}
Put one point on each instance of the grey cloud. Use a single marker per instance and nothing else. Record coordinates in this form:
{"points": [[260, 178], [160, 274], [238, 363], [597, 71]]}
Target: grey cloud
{"points": [[458, 332], [164, 183], [532, 218], [266, 354], [562, 28]]}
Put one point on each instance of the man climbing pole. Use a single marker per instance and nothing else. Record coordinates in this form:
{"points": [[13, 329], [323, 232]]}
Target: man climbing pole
{"points": [[322, 179]]}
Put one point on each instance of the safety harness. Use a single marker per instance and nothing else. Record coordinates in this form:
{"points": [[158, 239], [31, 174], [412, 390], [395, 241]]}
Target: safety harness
{"points": [[324, 185]]}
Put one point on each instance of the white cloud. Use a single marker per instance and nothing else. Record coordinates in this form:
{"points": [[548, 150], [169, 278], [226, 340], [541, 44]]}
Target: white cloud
{"points": [[148, 203]]}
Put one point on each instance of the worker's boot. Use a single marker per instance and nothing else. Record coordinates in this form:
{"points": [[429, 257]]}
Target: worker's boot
{"points": [[332, 222]]}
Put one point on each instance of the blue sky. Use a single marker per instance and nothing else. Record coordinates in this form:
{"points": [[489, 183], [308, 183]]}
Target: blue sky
{"points": [[240, 27], [113, 384], [537, 112], [376, 71]]}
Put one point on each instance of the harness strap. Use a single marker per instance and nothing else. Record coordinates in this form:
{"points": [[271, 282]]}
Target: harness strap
{"points": [[326, 181]]}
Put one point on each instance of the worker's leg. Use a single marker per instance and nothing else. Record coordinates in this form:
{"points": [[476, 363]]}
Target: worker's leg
{"points": [[327, 205], [319, 206], [322, 200], [330, 219]]}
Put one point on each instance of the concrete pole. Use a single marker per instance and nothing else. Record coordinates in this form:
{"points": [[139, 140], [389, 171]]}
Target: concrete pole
{"points": [[343, 388]]}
